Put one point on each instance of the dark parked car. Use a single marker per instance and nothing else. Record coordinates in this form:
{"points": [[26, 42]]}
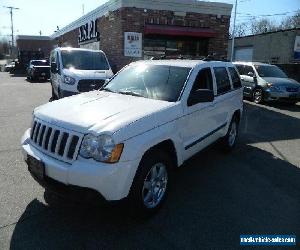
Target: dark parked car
{"points": [[266, 82], [9, 67], [38, 69]]}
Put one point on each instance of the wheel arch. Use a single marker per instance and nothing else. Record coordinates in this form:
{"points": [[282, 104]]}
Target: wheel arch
{"points": [[166, 146]]}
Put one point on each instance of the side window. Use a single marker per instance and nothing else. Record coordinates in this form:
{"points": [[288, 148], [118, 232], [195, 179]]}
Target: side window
{"points": [[203, 80], [236, 81], [222, 79], [244, 69], [248, 69]]}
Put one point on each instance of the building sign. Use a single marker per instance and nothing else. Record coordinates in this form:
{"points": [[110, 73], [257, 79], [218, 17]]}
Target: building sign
{"points": [[88, 32], [297, 48], [133, 44]]}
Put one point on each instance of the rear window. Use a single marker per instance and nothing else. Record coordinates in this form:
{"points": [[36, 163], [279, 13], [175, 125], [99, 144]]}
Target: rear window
{"points": [[222, 79], [236, 81]]}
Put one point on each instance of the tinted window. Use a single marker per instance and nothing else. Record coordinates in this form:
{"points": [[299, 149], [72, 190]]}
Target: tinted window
{"points": [[236, 81], [150, 81], [84, 60], [244, 69], [222, 79], [203, 80], [270, 71]]}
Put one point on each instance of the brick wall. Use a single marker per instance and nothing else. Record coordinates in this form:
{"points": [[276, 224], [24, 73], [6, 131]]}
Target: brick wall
{"points": [[69, 39], [112, 29]]}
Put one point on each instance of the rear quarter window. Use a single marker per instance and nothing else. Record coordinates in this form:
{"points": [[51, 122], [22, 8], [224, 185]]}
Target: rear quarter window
{"points": [[222, 80], [236, 81]]}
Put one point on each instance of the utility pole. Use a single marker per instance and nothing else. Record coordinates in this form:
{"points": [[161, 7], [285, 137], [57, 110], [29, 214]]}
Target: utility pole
{"points": [[233, 32], [12, 23]]}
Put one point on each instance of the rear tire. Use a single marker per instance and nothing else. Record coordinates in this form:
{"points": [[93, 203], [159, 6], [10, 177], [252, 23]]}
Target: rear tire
{"points": [[229, 140], [151, 183]]}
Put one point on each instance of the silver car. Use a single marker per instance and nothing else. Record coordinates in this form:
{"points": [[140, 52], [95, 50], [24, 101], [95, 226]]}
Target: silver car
{"points": [[266, 82]]}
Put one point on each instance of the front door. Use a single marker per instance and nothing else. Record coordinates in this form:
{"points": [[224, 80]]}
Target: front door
{"points": [[247, 77], [199, 119]]}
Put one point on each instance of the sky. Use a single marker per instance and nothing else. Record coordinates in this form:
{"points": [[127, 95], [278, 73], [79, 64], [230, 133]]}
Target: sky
{"points": [[34, 16]]}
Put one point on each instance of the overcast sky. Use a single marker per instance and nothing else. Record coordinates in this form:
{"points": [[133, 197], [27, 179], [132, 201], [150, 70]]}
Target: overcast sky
{"points": [[44, 15]]}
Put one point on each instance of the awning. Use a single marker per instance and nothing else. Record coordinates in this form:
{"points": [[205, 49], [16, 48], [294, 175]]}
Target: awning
{"points": [[170, 30]]}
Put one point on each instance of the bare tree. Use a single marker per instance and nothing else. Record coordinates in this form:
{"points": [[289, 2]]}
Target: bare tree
{"points": [[262, 26], [291, 22], [241, 30]]}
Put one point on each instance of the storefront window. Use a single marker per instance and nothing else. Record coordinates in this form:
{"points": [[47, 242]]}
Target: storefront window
{"points": [[175, 46]]}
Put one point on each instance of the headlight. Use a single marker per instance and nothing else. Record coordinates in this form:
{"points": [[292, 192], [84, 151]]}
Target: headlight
{"points": [[101, 148], [273, 87], [69, 80]]}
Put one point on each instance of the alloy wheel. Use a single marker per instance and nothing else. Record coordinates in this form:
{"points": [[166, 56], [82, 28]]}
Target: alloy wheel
{"points": [[155, 185]]}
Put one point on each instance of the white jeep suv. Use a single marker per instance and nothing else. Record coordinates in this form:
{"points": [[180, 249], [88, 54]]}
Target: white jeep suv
{"points": [[124, 140]]}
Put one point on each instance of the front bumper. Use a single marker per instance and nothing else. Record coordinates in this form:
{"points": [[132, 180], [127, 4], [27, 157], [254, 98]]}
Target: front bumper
{"points": [[112, 181], [282, 96]]}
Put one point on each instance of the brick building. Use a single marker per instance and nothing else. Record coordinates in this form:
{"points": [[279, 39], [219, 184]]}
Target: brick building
{"points": [[129, 30]]}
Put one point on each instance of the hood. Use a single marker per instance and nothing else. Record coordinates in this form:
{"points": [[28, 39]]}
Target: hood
{"points": [[99, 111], [282, 81], [88, 74]]}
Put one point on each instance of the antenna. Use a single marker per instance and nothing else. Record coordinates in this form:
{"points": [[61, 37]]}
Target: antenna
{"points": [[12, 23]]}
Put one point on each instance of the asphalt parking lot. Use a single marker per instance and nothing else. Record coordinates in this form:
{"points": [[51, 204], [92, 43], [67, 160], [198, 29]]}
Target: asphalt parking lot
{"points": [[214, 199]]}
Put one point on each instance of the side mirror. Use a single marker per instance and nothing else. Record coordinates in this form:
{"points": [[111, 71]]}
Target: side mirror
{"points": [[200, 95], [53, 67]]}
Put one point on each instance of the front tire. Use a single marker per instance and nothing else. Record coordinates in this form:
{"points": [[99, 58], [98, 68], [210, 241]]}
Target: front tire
{"points": [[258, 96], [150, 184]]}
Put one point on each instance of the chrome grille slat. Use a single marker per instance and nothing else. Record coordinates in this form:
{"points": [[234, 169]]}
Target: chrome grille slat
{"points": [[39, 135], [45, 135], [51, 139], [67, 147], [37, 128], [58, 144]]}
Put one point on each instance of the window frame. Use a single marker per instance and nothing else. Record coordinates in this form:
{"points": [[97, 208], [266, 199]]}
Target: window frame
{"points": [[230, 83], [212, 79]]}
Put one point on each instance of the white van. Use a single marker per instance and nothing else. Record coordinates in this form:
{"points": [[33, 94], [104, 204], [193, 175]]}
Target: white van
{"points": [[75, 70]]}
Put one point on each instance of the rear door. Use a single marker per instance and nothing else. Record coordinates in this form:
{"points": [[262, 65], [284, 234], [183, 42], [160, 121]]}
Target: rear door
{"points": [[223, 99]]}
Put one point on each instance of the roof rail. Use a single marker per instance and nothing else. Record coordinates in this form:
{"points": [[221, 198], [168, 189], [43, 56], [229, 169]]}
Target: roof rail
{"points": [[211, 57]]}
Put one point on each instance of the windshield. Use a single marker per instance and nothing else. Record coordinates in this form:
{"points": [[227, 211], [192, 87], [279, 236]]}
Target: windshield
{"points": [[84, 60], [270, 71], [39, 63], [150, 81]]}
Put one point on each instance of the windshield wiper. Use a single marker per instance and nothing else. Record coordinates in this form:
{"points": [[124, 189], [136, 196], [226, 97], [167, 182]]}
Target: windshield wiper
{"points": [[130, 93], [108, 90]]}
